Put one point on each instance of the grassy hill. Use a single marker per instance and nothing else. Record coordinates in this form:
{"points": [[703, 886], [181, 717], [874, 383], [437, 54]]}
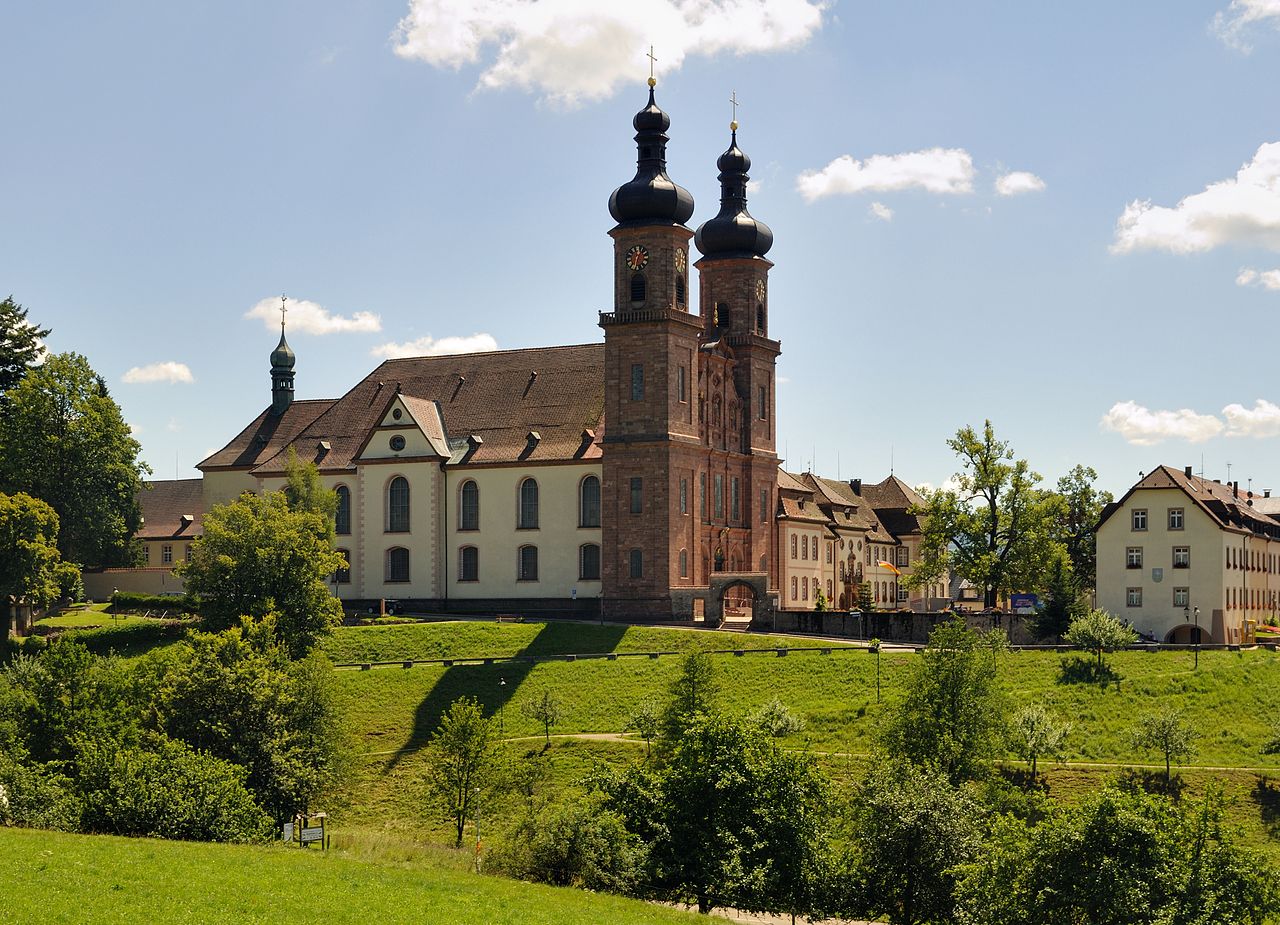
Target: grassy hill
{"points": [[86, 880]]}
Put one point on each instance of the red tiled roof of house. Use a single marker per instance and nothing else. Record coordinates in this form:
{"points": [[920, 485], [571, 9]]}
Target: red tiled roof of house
{"points": [[266, 436], [171, 509]]}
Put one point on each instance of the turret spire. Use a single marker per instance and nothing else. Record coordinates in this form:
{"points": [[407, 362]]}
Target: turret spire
{"points": [[733, 232], [651, 198], [282, 363]]}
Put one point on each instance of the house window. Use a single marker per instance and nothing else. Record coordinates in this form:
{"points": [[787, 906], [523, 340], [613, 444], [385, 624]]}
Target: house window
{"points": [[1133, 557], [1175, 518], [764, 403], [804, 547], [398, 506], [637, 563], [804, 588], [904, 557], [528, 514], [1181, 597], [684, 563], [342, 516], [735, 502], [719, 497], [637, 381], [684, 496], [146, 552], [830, 552], [1133, 597], [902, 595], [637, 287], [795, 545], [828, 589], [681, 386], [764, 505], [397, 566], [702, 496], [1139, 520], [527, 564], [469, 506], [1182, 557], [589, 562], [637, 495], [166, 554], [342, 575], [468, 564], [589, 502], [397, 443], [795, 585]]}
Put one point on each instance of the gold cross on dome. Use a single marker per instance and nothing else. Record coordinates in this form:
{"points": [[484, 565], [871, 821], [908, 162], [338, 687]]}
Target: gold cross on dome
{"points": [[283, 309], [733, 99], [652, 60]]}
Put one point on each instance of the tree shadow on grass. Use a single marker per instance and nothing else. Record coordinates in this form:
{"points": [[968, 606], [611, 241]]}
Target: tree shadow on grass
{"points": [[1267, 796], [1154, 782], [1079, 669], [494, 684]]}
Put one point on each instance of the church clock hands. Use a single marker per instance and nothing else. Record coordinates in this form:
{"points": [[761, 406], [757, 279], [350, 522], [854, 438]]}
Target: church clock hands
{"points": [[680, 260], [637, 257]]}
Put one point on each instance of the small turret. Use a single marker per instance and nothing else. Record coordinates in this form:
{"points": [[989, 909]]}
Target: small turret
{"points": [[282, 363], [651, 197]]}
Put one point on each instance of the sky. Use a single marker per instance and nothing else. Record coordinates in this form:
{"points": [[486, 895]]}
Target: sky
{"points": [[1064, 218]]}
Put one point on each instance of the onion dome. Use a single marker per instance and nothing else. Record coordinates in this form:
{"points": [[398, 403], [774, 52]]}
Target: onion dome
{"points": [[283, 357], [734, 233], [651, 198]]}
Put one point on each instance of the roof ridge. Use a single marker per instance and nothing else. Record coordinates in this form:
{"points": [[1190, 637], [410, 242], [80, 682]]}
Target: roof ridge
{"points": [[484, 353]]}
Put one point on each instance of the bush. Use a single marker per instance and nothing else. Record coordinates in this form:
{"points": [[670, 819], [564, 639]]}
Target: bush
{"points": [[36, 798], [572, 845], [167, 791], [776, 719], [103, 639], [123, 601]]}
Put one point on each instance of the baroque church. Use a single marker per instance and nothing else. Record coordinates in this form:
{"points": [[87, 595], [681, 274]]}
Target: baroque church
{"points": [[636, 479]]}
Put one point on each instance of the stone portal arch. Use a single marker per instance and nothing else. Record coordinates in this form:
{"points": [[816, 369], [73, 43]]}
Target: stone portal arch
{"points": [[738, 601], [1185, 634]]}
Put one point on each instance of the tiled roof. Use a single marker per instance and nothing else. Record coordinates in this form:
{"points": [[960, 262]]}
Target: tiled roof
{"points": [[266, 436], [1229, 509], [164, 504], [499, 397], [789, 482], [891, 493]]}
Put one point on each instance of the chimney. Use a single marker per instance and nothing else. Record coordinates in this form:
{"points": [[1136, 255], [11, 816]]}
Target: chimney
{"points": [[856, 485], [1266, 493], [1235, 489], [1187, 472]]}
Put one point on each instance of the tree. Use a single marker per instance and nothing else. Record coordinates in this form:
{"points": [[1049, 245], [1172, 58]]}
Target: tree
{"points": [[951, 717], [694, 691], [910, 829], [993, 528], [1166, 732], [646, 720], [30, 566], [1063, 603], [258, 557], [462, 762], [866, 600], [820, 602], [306, 493], [1034, 732], [64, 441], [776, 720], [1077, 507], [1098, 631], [20, 346], [546, 711]]}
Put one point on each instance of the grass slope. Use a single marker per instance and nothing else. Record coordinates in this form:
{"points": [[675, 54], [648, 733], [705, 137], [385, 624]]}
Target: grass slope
{"points": [[56, 878]]}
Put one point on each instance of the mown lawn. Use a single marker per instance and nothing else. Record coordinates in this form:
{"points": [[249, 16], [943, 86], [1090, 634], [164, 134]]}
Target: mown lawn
{"points": [[86, 880]]}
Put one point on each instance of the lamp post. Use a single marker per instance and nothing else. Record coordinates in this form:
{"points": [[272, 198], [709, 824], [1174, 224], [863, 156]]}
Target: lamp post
{"points": [[502, 695], [1197, 616]]}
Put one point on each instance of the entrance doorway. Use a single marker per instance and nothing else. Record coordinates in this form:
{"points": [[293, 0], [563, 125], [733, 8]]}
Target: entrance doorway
{"points": [[739, 603]]}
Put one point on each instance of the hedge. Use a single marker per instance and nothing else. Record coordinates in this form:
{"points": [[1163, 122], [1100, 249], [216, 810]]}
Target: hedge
{"points": [[131, 636], [123, 601]]}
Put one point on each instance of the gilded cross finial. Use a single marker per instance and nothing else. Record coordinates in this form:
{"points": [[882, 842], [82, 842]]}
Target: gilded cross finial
{"points": [[283, 309], [733, 99], [652, 60]]}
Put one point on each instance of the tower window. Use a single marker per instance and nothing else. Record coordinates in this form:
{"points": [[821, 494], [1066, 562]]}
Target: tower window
{"points": [[722, 314], [637, 287], [637, 382], [684, 563], [760, 319], [682, 392], [637, 495], [764, 403], [637, 563], [679, 290]]}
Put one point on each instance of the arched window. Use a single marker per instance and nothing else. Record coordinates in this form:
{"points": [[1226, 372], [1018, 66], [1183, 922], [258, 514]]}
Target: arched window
{"points": [[637, 563], [527, 567], [722, 314], [589, 562], [468, 564], [679, 290], [589, 502], [760, 319], [684, 563], [397, 564], [342, 516], [637, 287], [527, 518], [764, 563], [398, 505], [469, 506], [343, 574]]}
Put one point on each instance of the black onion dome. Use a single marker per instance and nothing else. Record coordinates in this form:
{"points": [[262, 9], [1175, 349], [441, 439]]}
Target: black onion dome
{"points": [[651, 198], [282, 357], [733, 232]]}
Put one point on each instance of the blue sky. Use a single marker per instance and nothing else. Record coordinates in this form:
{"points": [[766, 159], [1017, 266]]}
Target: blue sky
{"points": [[432, 175]]}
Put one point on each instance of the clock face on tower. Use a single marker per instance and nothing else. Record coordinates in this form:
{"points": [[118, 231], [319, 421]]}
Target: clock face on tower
{"points": [[680, 260], [637, 257], [759, 290]]}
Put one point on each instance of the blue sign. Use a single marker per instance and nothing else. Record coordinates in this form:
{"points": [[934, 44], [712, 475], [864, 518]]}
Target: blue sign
{"points": [[1023, 603]]}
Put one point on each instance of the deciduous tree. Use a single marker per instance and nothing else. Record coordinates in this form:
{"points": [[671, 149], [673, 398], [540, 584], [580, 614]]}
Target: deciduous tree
{"points": [[31, 570], [1033, 732], [1167, 733], [1099, 631], [1077, 505], [462, 763], [546, 711]]}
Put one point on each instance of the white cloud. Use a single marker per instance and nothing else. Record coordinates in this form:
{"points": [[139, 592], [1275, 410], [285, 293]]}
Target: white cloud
{"points": [[167, 371], [430, 347], [1262, 420], [1233, 23], [1244, 209], [1017, 182], [936, 170], [575, 50], [753, 187], [310, 318], [1144, 427], [950, 483], [881, 211], [1267, 279]]}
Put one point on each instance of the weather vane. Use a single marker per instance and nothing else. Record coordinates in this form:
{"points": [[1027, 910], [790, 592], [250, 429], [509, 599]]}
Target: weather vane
{"points": [[652, 60], [733, 99]]}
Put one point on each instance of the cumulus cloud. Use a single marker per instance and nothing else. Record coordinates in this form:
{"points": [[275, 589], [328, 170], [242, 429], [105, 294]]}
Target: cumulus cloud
{"points": [[1267, 279], [571, 51], [430, 347], [1262, 420], [881, 211], [1244, 209], [1016, 182], [1145, 427], [936, 170], [168, 371], [310, 318], [1234, 24]]}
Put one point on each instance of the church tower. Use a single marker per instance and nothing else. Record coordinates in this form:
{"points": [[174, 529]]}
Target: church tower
{"points": [[651, 351], [282, 362]]}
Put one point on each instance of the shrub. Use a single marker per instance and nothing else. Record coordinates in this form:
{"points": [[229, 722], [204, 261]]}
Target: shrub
{"points": [[123, 601], [36, 798], [775, 719], [130, 636], [572, 845]]}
